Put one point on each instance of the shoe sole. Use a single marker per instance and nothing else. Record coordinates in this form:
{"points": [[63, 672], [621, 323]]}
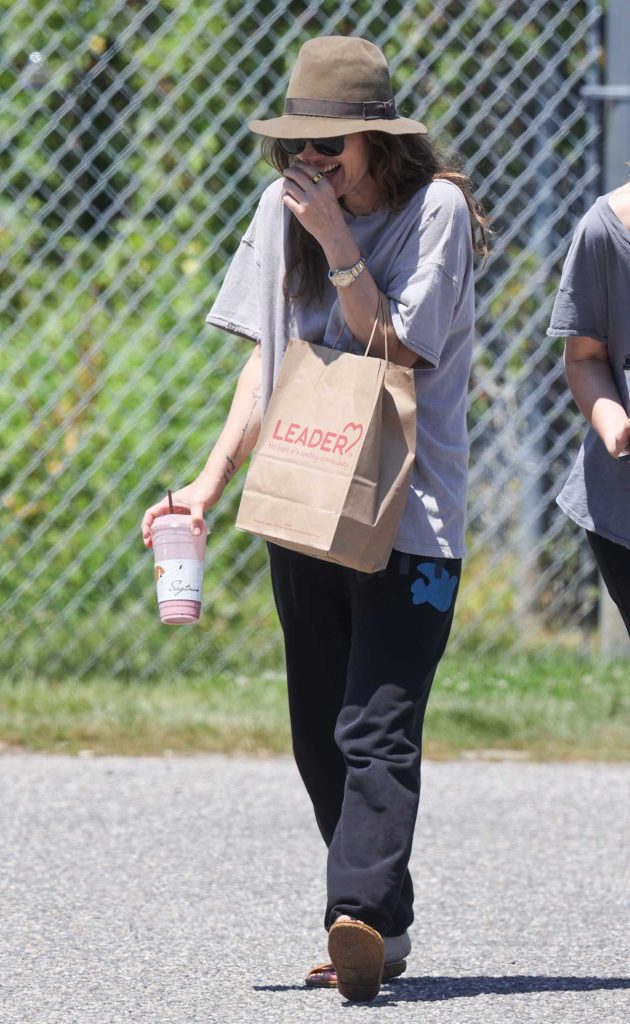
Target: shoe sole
{"points": [[357, 953]]}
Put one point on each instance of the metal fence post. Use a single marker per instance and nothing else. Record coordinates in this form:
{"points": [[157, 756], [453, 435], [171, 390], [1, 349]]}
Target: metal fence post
{"points": [[614, 640]]}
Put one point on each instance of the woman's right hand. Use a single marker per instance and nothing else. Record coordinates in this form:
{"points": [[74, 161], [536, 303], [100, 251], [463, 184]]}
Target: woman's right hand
{"points": [[195, 498], [617, 437]]}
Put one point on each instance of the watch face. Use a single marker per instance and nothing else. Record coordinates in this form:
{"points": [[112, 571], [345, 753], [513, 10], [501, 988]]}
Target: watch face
{"points": [[341, 278]]}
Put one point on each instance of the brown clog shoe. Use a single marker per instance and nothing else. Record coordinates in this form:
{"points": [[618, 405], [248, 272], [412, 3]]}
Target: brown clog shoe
{"points": [[358, 956]]}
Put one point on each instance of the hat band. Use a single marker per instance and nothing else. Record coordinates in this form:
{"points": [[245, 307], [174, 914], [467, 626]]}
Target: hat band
{"points": [[370, 111]]}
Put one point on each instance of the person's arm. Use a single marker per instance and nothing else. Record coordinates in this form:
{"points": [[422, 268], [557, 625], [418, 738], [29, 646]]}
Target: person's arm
{"points": [[235, 442], [317, 209], [359, 302], [593, 387]]}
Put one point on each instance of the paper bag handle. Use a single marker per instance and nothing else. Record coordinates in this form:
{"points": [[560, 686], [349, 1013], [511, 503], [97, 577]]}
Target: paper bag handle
{"points": [[381, 313]]}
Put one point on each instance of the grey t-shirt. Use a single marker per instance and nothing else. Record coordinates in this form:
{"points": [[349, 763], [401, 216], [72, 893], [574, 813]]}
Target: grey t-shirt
{"points": [[594, 302], [421, 258]]}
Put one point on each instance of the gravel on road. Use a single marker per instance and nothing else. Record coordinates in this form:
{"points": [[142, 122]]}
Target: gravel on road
{"points": [[191, 891]]}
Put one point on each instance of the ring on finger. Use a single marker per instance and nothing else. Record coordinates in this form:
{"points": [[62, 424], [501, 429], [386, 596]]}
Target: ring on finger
{"points": [[316, 178]]}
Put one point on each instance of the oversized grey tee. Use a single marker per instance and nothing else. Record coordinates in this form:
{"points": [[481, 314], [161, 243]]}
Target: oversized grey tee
{"points": [[421, 258], [594, 302]]}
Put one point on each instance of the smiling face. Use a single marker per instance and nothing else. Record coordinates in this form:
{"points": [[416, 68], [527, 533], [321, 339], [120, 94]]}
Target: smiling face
{"points": [[347, 173]]}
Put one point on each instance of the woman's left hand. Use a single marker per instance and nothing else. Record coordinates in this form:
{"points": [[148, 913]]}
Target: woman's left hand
{"points": [[314, 203]]}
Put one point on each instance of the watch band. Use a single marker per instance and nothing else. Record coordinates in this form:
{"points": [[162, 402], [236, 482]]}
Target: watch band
{"points": [[342, 277]]}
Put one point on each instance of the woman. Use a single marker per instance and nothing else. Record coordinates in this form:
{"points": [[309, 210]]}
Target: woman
{"points": [[363, 206], [592, 311]]}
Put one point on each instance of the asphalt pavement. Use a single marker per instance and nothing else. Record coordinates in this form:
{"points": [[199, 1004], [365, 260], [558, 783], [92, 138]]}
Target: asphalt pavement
{"points": [[190, 891]]}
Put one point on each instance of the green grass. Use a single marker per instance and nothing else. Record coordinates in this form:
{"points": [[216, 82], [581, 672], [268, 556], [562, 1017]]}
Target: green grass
{"points": [[561, 707]]}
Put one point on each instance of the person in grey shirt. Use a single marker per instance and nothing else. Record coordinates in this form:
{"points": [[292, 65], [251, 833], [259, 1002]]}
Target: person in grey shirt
{"points": [[592, 311], [364, 210]]}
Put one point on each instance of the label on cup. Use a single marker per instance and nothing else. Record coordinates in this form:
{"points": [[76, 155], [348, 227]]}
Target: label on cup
{"points": [[179, 579]]}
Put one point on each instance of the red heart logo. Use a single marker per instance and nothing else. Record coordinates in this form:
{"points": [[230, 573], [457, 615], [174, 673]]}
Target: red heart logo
{"points": [[358, 429]]}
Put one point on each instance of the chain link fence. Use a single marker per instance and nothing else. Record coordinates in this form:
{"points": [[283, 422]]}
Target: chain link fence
{"points": [[128, 175]]}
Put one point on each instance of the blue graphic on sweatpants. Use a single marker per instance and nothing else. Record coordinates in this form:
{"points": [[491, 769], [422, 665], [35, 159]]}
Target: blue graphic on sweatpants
{"points": [[437, 591]]}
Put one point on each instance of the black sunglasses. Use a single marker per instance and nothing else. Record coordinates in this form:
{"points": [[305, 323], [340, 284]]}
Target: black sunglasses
{"points": [[327, 147]]}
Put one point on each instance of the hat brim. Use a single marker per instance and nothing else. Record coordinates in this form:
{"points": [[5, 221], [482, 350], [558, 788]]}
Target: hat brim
{"points": [[306, 126]]}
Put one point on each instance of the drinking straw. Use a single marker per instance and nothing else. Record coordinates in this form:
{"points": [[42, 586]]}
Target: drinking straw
{"points": [[170, 501]]}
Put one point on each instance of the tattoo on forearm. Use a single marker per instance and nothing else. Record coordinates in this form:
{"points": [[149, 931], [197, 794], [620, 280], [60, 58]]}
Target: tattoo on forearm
{"points": [[231, 467], [245, 430]]}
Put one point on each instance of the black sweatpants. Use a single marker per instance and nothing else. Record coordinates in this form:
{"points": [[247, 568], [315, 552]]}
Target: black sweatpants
{"points": [[361, 653], [614, 564]]}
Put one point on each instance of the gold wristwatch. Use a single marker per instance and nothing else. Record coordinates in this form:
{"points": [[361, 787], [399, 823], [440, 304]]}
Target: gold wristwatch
{"points": [[343, 277]]}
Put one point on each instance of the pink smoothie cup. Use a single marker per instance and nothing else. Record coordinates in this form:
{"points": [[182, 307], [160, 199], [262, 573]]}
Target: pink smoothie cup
{"points": [[179, 559]]}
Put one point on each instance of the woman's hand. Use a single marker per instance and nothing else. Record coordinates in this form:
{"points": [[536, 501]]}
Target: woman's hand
{"points": [[617, 436], [193, 499], [313, 203]]}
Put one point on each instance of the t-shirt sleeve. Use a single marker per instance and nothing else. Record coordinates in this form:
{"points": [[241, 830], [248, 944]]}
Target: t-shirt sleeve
{"points": [[579, 308], [426, 278], [236, 308], [422, 311]]}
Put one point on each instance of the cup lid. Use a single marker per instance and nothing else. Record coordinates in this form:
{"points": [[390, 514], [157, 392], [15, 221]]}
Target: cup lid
{"points": [[173, 520]]}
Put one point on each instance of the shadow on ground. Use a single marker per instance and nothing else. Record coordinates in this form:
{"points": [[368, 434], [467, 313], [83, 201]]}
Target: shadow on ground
{"points": [[435, 989]]}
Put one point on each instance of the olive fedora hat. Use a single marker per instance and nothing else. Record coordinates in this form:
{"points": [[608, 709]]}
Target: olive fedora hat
{"points": [[339, 85]]}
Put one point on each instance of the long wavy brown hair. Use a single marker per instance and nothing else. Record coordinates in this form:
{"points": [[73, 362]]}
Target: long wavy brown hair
{"points": [[400, 165]]}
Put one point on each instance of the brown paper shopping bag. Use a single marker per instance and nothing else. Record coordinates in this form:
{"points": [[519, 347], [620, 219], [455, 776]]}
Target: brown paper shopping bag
{"points": [[330, 473]]}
